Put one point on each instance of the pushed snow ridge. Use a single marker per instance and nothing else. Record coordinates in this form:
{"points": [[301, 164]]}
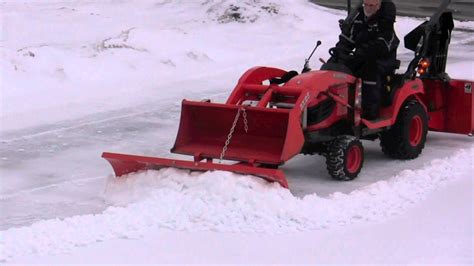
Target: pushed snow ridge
{"points": [[226, 202]]}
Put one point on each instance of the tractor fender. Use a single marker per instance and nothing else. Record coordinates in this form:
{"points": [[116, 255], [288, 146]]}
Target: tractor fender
{"points": [[411, 90]]}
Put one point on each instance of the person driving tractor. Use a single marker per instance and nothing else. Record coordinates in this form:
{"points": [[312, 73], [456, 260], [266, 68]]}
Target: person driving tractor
{"points": [[368, 46]]}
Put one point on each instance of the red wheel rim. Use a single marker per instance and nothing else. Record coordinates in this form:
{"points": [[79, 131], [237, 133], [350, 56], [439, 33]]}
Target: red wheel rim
{"points": [[416, 130], [354, 159]]}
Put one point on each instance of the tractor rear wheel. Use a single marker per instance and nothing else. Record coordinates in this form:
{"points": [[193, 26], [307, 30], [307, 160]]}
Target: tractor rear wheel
{"points": [[406, 139], [345, 158]]}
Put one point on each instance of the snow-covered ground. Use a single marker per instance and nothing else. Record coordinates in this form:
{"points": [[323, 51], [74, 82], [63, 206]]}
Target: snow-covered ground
{"points": [[81, 77]]}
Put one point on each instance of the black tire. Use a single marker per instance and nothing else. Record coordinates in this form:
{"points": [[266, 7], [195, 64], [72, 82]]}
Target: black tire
{"points": [[406, 139], [345, 158]]}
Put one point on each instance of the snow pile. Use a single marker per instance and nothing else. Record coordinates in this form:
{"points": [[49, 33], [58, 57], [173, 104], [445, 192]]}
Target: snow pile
{"points": [[225, 202], [94, 57], [238, 11], [90, 57]]}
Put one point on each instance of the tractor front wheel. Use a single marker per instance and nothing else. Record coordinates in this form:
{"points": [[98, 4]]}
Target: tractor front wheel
{"points": [[406, 139], [345, 158]]}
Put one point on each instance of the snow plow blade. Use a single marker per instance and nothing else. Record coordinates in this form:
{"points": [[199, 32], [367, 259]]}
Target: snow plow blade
{"points": [[124, 164]]}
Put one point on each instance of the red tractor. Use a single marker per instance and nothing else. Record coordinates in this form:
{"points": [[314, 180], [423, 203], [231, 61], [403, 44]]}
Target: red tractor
{"points": [[273, 115]]}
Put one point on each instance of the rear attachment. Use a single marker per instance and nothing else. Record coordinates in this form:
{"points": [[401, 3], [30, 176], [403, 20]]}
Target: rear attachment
{"points": [[450, 106]]}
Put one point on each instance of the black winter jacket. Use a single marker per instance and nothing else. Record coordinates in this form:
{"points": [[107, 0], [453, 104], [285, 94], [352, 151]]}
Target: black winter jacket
{"points": [[372, 38]]}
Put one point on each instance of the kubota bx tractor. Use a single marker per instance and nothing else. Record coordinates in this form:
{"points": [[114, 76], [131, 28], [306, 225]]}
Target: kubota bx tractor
{"points": [[273, 115]]}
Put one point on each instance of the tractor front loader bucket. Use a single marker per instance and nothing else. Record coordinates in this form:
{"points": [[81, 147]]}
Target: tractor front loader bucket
{"points": [[259, 136], [257, 139]]}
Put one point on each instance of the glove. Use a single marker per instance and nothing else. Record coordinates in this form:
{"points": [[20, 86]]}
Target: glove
{"points": [[360, 54], [340, 54], [334, 51], [345, 27]]}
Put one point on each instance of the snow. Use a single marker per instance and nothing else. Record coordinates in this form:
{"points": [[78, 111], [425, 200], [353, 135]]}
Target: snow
{"points": [[225, 202], [417, 236], [82, 77], [97, 57]]}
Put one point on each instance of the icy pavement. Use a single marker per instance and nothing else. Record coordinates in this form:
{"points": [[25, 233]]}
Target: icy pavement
{"points": [[60, 173]]}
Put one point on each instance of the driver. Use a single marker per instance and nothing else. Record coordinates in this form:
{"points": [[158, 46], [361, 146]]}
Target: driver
{"points": [[368, 46]]}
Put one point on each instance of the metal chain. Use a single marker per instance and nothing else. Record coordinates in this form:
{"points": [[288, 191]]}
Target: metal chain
{"points": [[246, 125], [232, 129]]}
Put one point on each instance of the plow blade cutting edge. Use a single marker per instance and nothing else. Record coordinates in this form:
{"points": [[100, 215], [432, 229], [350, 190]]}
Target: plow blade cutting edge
{"points": [[124, 164]]}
